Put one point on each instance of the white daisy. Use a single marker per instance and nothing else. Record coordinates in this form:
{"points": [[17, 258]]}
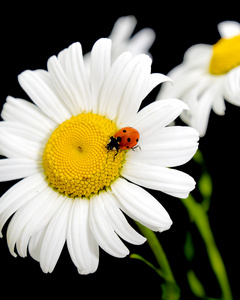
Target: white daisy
{"points": [[74, 189], [207, 76]]}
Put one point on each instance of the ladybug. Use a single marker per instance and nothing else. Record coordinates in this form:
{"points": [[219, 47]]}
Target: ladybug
{"points": [[125, 138]]}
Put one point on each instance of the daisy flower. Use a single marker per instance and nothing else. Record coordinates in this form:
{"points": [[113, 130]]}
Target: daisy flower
{"points": [[74, 189], [207, 76]]}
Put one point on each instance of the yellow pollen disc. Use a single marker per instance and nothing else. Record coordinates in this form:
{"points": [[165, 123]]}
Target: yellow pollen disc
{"points": [[226, 55], [76, 161]]}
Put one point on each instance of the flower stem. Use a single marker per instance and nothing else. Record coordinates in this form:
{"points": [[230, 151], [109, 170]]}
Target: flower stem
{"points": [[200, 217], [171, 290]]}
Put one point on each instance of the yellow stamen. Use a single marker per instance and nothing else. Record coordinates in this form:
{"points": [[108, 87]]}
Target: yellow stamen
{"points": [[226, 56], [76, 161]]}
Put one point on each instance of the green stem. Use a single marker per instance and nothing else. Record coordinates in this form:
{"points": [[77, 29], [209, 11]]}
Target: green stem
{"points": [[200, 217], [170, 289]]}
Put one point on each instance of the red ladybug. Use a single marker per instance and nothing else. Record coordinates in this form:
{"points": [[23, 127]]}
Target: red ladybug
{"points": [[125, 138]]}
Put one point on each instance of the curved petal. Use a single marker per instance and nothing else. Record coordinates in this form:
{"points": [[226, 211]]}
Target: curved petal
{"points": [[38, 89], [169, 181], [82, 246], [102, 229], [171, 147], [154, 80], [156, 116], [55, 237], [140, 205], [30, 218], [15, 168], [23, 112], [19, 194], [100, 65], [119, 222]]}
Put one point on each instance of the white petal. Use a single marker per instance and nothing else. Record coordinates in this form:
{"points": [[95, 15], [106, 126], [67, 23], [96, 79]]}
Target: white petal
{"points": [[125, 87], [232, 86], [172, 146], [24, 131], [123, 29], [55, 237], [183, 81], [198, 56], [212, 97], [64, 85], [73, 65], [229, 29], [30, 218], [189, 73], [169, 181], [140, 205], [100, 65], [26, 113], [35, 243], [82, 246], [102, 229], [142, 41], [135, 89], [16, 142], [154, 80], [19, 194], [40, 91], [119, 222], [156, 116], [49, 201], [15, 168], [110, 95]]}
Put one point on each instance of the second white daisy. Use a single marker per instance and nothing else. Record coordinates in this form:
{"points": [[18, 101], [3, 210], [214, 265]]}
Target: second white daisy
{"points": [[207, 76]]}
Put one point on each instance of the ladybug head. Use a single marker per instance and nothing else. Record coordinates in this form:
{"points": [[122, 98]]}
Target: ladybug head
{"points": [[113, 144]]}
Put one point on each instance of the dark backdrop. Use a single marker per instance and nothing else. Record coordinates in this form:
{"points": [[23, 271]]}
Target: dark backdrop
{"points": [[29, 36]]}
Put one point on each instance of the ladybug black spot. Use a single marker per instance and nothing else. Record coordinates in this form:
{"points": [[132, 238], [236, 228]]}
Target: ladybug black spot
{"points": [[129, 140], [127, 147], [124, 130], [119, 139], [136, 140]]}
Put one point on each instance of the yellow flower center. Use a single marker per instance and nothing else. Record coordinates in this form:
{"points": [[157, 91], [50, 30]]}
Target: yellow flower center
{"points": [[226, 55], [76, 161]]}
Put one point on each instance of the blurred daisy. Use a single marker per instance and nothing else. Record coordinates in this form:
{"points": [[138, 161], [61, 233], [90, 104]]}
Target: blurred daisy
{"points": [[122, 39], [207, 76], [74, 189]]}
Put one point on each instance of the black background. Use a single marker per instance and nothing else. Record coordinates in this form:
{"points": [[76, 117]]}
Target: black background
{"points": [[29, 36]]}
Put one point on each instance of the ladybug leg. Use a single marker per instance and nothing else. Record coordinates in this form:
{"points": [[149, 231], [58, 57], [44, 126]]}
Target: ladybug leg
{"points": [[134, 148], [116, 149]]}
